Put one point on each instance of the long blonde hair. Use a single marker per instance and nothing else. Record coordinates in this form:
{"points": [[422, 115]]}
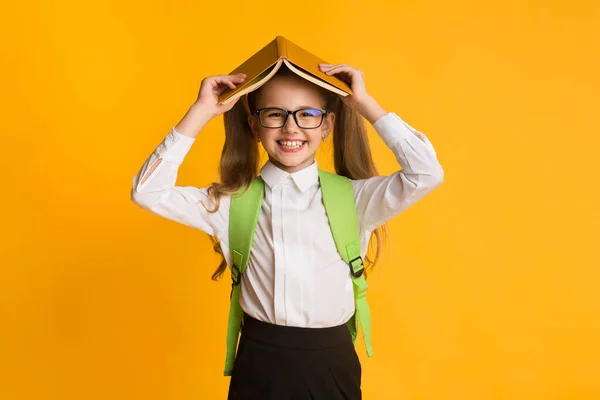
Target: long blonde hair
{"points": [[239, 163]]}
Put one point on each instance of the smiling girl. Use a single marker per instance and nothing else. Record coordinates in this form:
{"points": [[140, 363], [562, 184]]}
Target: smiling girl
{"points": [[296, 293]]}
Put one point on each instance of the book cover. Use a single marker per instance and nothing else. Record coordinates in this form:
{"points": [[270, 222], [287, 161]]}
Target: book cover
{"points": [[263, 65]]}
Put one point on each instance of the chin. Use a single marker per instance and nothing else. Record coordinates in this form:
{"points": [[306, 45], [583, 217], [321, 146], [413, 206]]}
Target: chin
{"points": [[292, 163]]}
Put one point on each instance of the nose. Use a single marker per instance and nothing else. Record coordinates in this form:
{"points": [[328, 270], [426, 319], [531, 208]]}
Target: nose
{"points": [[290, 125]]}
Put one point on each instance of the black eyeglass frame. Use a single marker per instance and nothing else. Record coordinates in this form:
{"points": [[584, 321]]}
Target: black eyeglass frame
{"points": [[287, 114]]}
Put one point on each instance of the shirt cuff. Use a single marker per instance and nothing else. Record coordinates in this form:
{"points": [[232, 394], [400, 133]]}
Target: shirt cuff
{"points": [[174, 147]]}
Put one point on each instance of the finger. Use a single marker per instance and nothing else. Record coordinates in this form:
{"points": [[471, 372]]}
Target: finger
{"points": [[346, 74], [237, 80], [226, 81], [339, 66], [336, 65], [326, 66], [220, 82], [341, 70], [229, 83]]}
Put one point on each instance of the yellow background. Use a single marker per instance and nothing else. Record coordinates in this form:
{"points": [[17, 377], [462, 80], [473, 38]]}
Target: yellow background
{"points": [[490, 290]]}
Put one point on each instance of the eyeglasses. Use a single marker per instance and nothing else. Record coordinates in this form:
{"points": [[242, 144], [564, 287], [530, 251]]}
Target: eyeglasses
{"points": [[306, 118]]}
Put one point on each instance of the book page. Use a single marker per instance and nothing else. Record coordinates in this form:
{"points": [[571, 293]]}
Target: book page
{"points": [[257, 82], [310, 77]]}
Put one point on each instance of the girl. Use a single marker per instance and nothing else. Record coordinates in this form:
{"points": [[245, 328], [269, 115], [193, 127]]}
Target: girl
{"points": [[297, 292]]}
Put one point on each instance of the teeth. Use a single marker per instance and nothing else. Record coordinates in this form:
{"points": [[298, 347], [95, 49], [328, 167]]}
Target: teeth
{"points": [[291, 145]]}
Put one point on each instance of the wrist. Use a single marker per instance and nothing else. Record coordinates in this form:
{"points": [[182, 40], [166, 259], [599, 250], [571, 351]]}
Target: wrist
{"points": [[197, 116], [372, 111], [202, 111]]}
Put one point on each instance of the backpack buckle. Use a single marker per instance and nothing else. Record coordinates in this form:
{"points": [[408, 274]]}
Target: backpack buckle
{"points": [[236, 277], [356, 272]]}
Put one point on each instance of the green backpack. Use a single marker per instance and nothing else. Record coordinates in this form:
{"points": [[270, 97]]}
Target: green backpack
{"points": [[338, 200]]}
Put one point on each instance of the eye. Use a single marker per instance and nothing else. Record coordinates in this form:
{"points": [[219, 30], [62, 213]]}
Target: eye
{"points": [[311, 113]]}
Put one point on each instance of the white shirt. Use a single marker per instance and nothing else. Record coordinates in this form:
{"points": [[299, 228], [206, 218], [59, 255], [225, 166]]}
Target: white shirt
{"points": [[295, 275]]}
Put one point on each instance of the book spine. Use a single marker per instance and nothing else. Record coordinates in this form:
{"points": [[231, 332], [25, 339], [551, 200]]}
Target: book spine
{"points": [[282, 50]]}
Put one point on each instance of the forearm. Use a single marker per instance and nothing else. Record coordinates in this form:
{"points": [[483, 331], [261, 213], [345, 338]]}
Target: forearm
{"points": [[412, 149], [174, 147], [382, 197], [193, 121], [371, 110]]}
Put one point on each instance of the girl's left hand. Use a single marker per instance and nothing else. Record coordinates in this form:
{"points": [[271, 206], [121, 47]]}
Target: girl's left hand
{"points": [[355, 79]]}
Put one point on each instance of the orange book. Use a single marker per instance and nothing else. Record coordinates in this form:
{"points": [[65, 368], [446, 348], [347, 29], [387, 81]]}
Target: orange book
{"points": [[263, 65]]}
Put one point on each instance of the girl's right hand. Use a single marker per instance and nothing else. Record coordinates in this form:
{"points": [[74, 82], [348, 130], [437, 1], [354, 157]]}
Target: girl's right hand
{"points": [[210, 89]]}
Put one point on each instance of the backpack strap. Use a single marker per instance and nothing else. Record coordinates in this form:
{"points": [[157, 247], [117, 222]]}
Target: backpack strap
{"points": [[244, 211], [343, 221]]}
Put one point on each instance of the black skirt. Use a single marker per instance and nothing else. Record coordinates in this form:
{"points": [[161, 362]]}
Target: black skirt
{"points": [[276, 362]]}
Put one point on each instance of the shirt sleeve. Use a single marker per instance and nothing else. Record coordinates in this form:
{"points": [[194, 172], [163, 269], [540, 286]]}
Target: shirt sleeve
{"points": [[380, 198], [153, 188]]}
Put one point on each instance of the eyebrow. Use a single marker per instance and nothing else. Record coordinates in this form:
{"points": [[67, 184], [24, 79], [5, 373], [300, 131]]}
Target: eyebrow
{"points": [[299, 107]]}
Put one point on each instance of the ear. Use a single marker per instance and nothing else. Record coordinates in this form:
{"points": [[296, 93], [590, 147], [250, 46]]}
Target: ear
{"points": [[253, 122], [328, 124]]}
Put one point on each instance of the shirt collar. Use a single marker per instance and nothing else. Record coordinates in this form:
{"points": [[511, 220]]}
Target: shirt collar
{"points": [[305, 178]]}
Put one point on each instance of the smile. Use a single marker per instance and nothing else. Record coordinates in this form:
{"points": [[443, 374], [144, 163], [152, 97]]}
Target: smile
{"points": [[291, 145]]}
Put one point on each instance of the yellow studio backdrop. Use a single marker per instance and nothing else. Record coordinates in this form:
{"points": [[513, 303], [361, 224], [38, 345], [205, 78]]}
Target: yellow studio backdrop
{"points": [[490, 288]]}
